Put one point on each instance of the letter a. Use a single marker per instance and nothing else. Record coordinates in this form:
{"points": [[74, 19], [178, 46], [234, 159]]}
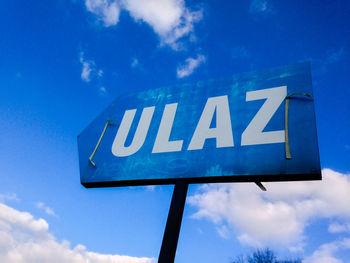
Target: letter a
{"points": [[118, 147], [223, 130]]}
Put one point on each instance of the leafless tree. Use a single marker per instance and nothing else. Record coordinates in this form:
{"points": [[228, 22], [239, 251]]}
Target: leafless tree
{"points": [[263, 256]]}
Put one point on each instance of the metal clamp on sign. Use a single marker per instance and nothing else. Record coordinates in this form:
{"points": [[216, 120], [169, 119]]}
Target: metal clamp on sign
{"points": [[99, 141], [288, 154]]}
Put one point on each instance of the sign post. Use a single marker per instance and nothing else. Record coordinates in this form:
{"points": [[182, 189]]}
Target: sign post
{"points": [[252, 127], [173, 224]]}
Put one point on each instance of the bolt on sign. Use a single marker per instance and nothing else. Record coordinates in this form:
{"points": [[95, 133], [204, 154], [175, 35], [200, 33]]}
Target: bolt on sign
{"points": [[250, 127]]}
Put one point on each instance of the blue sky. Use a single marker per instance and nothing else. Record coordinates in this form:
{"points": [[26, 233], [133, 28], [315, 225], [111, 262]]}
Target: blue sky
{"points": [[62, 62]]}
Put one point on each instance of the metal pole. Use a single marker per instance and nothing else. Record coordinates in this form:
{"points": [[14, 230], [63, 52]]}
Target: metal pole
{"points": [[173, 224]]}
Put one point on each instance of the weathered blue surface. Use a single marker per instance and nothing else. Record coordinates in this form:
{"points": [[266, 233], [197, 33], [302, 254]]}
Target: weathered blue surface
{"points": [[250, 160]]}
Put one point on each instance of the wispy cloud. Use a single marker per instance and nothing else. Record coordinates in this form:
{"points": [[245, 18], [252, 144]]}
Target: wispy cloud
{"points": [[150, 187], [48, 210], [190, 65], [86, 70], [332, 58], [89, 69], [329, 59], [261, 7], [102, 91], [335, 56], [240, 52], [134, 63], [9, 197], [337, 227], [137, 65], [278, 216], [26, 239], [171, 20], [100, 73]]}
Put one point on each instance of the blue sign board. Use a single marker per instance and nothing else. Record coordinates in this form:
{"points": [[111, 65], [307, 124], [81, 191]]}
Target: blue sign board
{"points": [[251, 127]]}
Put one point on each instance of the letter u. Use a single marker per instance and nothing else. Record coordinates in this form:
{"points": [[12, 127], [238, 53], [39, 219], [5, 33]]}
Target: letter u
{"points": [[118, 147]]}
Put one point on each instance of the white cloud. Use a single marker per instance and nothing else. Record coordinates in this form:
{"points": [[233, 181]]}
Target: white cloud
{"points": [[48, 210], [325, 253], [278, 216], [169, 19], [107, 11], [26, 239], [190, 65]]}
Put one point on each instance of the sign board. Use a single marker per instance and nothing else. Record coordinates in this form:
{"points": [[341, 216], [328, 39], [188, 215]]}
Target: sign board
{"points": [[257, 126]]}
